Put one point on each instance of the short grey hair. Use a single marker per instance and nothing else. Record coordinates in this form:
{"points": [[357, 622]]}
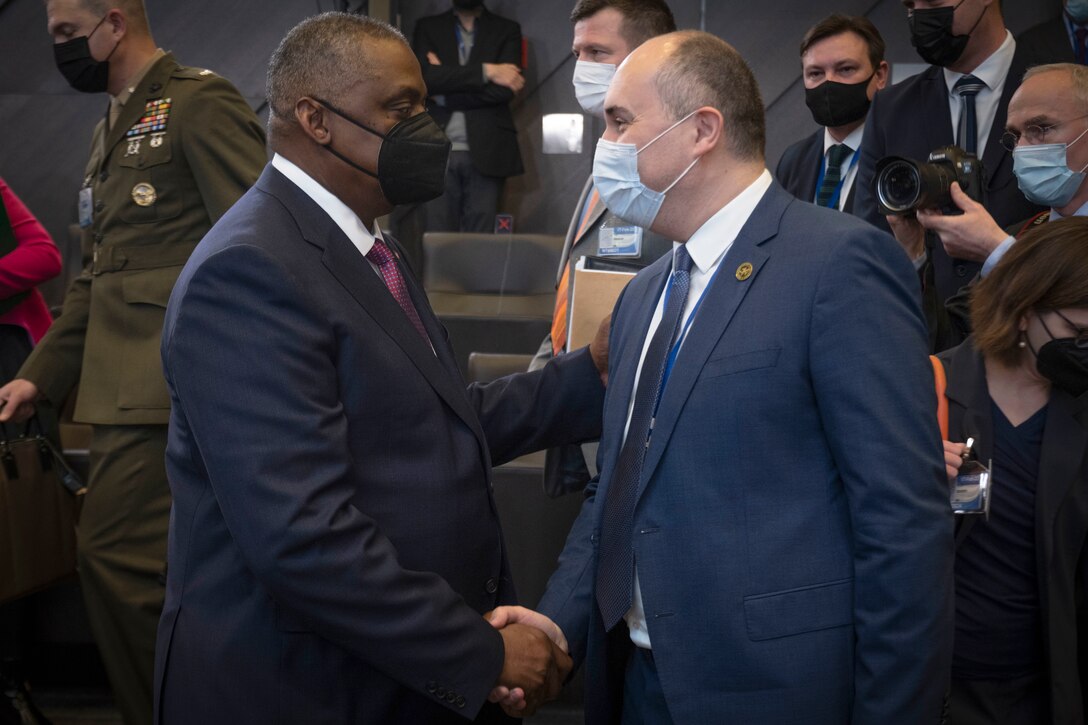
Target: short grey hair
{"points": [[1077, 73], [704, 70], [134, 11], [322, 57]]}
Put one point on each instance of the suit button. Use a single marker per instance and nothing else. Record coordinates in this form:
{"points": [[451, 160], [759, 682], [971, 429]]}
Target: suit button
{"points": [[451, 697], [491, 586], [99, 205], [460, 701], [104, 175], [432, 686], [961, 271], [440, 692], [98, 238], [155, 87]]}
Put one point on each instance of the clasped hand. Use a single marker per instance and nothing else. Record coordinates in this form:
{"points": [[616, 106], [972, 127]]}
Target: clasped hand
{"points": [[536, 662]]}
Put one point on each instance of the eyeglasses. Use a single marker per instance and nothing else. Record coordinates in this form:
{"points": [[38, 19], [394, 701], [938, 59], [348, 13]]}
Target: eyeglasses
{"points": [[1080, 334], [1034, 134]]}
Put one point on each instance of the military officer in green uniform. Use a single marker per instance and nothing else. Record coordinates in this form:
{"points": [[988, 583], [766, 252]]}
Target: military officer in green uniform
{"points": [[176, 149]]}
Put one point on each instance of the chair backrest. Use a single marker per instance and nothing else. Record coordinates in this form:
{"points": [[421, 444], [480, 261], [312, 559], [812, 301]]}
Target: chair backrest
{"points": [[491, 275]]}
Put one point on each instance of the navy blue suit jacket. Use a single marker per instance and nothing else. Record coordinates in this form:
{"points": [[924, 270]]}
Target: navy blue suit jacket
{"points": [[911, 119], [792, 533], [799, 169], [333, 539]]}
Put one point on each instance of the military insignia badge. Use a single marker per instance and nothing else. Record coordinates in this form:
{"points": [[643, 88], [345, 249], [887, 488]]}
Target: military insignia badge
{"points": [[744, 271], [144, 194]]}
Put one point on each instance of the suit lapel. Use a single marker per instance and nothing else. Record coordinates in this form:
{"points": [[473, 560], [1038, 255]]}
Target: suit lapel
{"points": [[968, 389], [1066, 432], [155, 78], [723, 297], [994, 155], [934, 102], [343, 261], [813, 159], [572, 230]]}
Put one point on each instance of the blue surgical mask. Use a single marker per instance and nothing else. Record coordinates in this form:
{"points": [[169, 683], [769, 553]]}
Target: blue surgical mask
{"points": [[1043, 174], [591, 82], [615, 174], [1077, 10]]}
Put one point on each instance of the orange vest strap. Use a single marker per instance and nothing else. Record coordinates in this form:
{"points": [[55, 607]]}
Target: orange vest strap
{"points": [[940, 383]]}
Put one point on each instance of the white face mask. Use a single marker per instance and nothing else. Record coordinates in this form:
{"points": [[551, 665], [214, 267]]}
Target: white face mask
{"points": [[615, 174], [591, 82]]}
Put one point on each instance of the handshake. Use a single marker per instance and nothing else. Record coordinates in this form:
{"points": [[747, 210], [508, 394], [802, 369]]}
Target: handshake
{"points": [[536, 662]]}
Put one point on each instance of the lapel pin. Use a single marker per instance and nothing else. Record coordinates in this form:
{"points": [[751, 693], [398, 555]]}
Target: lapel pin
{"points": [[744, 271]]}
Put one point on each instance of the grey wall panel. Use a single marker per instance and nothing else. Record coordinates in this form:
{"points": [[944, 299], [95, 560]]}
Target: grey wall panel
{"points": [[46, 126]]}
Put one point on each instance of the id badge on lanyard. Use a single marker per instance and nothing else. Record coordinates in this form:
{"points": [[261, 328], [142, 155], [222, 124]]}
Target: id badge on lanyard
{"points": [[972, 486]]}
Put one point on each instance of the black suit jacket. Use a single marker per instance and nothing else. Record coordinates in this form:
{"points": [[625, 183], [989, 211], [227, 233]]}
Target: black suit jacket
{"points": [[492, 136], [799, 169], [333, 537], [1061, 515], [911, 119], [1046, 43]]}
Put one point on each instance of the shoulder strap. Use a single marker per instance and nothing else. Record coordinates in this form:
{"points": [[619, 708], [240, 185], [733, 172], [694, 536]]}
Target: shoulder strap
{"points": [[940, 384], [1041, 218]]}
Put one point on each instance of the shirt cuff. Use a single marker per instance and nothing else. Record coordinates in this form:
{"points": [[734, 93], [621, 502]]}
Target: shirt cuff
{"points": [[996, 255]]}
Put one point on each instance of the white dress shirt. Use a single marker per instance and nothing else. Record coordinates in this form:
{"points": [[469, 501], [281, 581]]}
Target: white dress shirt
{"points": [[992, 72], [338, 211], [849, 166], [707, 248]]}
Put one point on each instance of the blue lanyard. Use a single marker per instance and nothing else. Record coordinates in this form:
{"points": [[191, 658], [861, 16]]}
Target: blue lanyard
{"points": [[462, 54], [834, 202], [675, 350]]}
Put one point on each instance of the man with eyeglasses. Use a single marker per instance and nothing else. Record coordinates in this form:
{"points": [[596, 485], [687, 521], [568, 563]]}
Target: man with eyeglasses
{"points": [[1047, 134]]}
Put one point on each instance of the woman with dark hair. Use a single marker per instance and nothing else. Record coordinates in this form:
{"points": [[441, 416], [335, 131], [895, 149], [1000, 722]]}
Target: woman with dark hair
{"points": [[1019, 388]]}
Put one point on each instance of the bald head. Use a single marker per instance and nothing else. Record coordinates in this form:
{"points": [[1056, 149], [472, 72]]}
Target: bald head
{"points": [[324, 57], [692, 70]]}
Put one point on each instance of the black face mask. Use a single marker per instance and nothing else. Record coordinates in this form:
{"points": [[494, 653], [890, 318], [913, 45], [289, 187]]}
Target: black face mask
{"points": [[1063, 363], [78, 66], [838, 104], [931, 34], [412, 159]]}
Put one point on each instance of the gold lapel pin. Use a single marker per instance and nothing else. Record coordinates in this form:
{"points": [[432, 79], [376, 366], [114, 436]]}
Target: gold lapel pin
{"points": [[744, 271]]}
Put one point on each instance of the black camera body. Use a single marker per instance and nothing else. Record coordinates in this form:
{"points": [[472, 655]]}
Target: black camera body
{"points": [[903, 186]]}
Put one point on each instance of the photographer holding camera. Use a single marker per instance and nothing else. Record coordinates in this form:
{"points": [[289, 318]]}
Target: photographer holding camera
{"points": [[961, 100], [1047, 135]]}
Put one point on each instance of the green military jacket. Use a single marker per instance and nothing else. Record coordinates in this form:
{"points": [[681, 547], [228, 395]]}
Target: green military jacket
{"points": [[185, 147]]}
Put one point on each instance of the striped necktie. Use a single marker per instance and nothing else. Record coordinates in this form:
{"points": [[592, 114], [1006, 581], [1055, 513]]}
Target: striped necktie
{"points": [[836, 155], [967, 138], [616, 561]]}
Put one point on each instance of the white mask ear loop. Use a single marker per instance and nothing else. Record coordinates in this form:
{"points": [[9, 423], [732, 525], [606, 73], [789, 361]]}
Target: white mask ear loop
{"points": [[1078, 138], [655, 138], [681, 176]]}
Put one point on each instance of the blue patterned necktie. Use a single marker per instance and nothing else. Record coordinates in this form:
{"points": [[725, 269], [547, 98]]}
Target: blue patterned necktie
{"points": [[967, 138], [616, 562], [836, 155]]}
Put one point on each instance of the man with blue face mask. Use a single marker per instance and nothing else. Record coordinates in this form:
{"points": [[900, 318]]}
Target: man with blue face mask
{"points": [[605, 32], [769, 540], [1047, 134], [1061, 40]]}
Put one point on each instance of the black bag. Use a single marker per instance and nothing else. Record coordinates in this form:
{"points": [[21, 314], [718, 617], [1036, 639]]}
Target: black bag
{"points": [[40, 497]]}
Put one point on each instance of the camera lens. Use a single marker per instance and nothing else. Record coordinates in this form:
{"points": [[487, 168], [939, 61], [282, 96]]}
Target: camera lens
{"points": [[899, 186]]}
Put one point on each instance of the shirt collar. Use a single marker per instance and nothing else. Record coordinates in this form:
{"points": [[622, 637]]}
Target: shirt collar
{"points": [[713, 239], [991, 71], [1082, 211], [853, 140], [122, 98], [337, 210]]}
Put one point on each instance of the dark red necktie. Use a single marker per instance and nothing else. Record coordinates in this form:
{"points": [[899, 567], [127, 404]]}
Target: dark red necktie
{"points": [[383, 258]]}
